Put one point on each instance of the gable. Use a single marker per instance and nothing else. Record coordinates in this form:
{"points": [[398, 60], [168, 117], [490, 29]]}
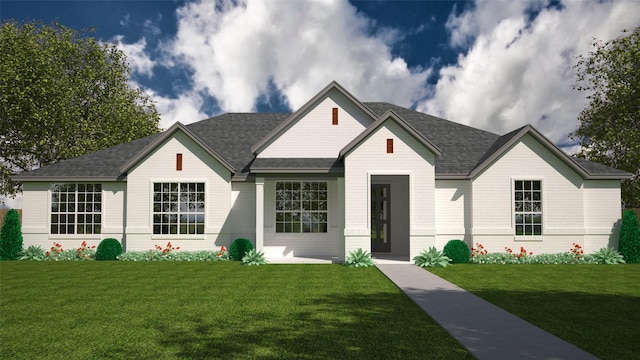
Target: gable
{"points": [[161, 160], [529, 158], [311, 132], [176, 130], [390, 143]]}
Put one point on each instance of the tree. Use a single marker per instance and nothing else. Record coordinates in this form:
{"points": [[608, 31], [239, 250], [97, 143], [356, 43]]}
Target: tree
{"points": [[609, 127], [11, 236], [63, 94], [629, 244]]}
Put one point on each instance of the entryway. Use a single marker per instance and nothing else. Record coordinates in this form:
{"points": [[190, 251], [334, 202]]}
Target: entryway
{"points": [[390, 220]]}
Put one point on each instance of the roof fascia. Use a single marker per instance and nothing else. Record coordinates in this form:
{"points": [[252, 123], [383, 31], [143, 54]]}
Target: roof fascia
{"points": [[451, 176], [178, 126], [53, 179], [390, 115], [528, 129], [271, 136], [296, 171]]}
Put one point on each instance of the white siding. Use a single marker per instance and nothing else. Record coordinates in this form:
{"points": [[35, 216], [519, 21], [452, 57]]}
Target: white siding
{"points": [[113, 217], [453, 211], [160, 166], [370, 158], [36, 217], [314, 136], [301, 244], [36, 205], [242, 218], [602, 210], [562, 201]]}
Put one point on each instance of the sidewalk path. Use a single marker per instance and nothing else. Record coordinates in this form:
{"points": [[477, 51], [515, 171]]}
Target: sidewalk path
{"points": [[487, 331]]}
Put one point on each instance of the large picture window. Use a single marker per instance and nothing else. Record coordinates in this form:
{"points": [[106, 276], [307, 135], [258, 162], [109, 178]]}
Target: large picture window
{"points": [[76, 208], [528, 207], [301, 206], [178, 208]]}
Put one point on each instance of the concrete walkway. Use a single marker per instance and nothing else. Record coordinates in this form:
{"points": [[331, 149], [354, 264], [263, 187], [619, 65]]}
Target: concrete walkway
{"points": [[484, 329]]}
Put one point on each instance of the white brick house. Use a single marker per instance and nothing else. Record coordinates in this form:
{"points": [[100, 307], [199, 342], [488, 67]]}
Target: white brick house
{"points": [[336, 175]]}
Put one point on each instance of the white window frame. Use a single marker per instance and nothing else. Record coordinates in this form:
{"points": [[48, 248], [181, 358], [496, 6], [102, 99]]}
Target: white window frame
{"points": [[526, 207], [302, 214], [196, 220], [72, 205]]}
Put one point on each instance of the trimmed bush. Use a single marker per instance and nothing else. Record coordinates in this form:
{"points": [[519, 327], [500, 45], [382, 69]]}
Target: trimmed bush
{"points": [[11, 236], [629, 244], [239, 248], [457, 251], [108, 249]]}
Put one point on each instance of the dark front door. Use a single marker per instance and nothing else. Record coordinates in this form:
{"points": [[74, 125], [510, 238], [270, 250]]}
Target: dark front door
{"points": [[380, 241]]}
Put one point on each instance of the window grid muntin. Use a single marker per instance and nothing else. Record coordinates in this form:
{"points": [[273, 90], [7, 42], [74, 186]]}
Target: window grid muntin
{"points": [[528, 207], [76, 209], [301, 206], [178, 208]]}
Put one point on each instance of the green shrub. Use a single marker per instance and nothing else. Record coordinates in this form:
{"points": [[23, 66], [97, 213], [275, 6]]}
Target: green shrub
{"points": [[457, 251], [11, 236], [431, 258], [629, 244], [239, 248], [254, 257], [359, 258], [608, 256], [33, 253], [108, 249]]}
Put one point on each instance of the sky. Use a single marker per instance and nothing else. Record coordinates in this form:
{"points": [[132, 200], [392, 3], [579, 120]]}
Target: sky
{"points": [[492, 64]]}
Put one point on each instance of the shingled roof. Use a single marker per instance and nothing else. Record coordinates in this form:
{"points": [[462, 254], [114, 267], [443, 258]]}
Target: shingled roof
{"points": [[232, 136]]}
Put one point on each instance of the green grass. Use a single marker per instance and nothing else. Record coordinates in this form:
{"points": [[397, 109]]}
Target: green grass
{"points": [[206, 310], [595, 307]]}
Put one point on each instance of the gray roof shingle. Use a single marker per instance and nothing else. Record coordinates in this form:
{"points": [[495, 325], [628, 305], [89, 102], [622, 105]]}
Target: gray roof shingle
{"points": [[233, 135]]}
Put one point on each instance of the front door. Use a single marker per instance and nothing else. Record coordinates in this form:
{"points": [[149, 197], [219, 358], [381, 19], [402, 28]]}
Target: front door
{"points": [[380, 241]]}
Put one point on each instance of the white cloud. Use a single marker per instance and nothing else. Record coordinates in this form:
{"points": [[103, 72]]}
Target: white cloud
{"points": [[237, 48], [519, 67], [139, 60], [185, 108]]}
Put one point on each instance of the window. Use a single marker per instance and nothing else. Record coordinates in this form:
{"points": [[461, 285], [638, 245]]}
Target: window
{"points": [[178, 208], [389, 146], [528, 207], [76, 208], [301, 206], [334, 118]]}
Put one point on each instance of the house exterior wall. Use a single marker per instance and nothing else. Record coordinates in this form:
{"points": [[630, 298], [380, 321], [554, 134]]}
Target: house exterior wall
{"points": [[301, 244], [370, 158], [453, 211], [314, 136], [241, 222], [36, 216], [160, 166], [563, 202], [601, 214]]}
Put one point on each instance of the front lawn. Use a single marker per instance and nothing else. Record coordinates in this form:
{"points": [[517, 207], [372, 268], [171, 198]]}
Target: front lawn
{"points": [[206, 310], [595, 307]]}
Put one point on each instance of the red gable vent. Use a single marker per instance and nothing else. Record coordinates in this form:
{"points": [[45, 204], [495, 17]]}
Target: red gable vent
{"points": [[335, 116], [178, 162], [389, 146]]}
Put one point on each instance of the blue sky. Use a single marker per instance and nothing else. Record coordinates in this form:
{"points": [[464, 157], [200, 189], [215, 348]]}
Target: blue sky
{"points": [[492, 64]]}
